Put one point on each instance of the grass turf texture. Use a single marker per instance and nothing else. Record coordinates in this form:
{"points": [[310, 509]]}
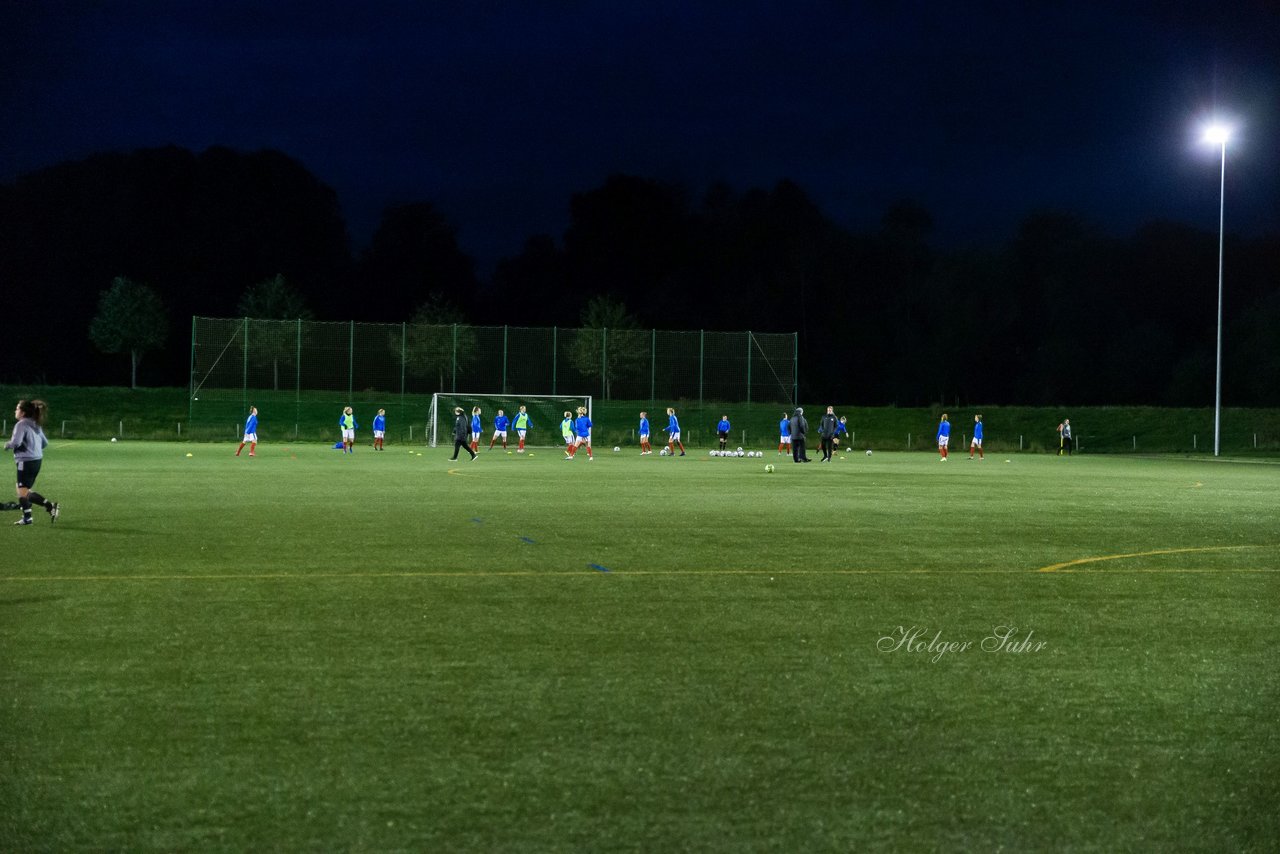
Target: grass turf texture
{"points": [[388, 651]]}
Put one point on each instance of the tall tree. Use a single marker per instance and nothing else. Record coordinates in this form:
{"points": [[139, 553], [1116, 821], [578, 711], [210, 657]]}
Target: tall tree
{"points": [[436, 346], [272, 302], [610, 347], [130, 319], [414, 253]]}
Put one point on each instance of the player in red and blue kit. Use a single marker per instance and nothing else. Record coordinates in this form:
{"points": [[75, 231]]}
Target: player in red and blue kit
{"points": [[976, 442], [250, 432], [582, 431], [842, 429], [673, 433], [944, 437], [784, 434], [475, 429], [500, 423], [645, 448], [379, 429]]}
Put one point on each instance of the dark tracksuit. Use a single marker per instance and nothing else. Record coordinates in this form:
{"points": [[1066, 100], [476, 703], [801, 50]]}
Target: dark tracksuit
{"points": [[799, 427], [462, 436]]}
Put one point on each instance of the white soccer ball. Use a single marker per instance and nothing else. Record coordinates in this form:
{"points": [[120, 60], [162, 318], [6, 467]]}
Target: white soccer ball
{"points": [[739, 450], [768, 469], [616, 449], [662, 453], [868, 452], [113, 438]]}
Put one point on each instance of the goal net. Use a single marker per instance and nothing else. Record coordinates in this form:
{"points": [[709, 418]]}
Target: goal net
{"points": [[545, 414]]}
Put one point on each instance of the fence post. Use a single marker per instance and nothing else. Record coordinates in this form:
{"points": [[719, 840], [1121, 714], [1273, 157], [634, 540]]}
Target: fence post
{"points": [[504, 358], [653, 366], [604, 362], [454, 361], [908, 441], [351, 359], [244, 383], [1135, 442], [554, 348], [297, 382], [1019, 441], [404, 345], [795, 368], [702, 342], [1193, 441], [748, 367], [192, 376], [179, 429]]}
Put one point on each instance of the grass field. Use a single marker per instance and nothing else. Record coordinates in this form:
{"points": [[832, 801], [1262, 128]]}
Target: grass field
{"points": [[390, 651]]}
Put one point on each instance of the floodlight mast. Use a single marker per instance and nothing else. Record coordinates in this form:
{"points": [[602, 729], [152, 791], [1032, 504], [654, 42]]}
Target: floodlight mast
{"points": [[1219, 134]]}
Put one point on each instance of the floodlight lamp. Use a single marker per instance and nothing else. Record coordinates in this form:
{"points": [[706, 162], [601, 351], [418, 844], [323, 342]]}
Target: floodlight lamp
{"points": [[1217, 134]]}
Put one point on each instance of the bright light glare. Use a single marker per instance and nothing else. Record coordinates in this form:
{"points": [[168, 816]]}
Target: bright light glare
{"points": [[1217, 134]]}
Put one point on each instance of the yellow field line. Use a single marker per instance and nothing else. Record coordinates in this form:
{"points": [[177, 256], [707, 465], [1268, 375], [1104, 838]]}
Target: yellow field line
{"points": [[294, 576], [1079, 561]]}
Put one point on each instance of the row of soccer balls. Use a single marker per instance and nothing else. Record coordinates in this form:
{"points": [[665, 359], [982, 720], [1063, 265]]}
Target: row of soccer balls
{"points": [[738, 453]]}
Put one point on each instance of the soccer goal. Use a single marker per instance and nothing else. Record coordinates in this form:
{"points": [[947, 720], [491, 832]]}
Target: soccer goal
{"points": [[545, 411]]}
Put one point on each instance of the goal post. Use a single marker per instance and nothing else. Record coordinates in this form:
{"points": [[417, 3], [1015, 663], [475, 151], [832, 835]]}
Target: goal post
{"points": [[545, 411]]}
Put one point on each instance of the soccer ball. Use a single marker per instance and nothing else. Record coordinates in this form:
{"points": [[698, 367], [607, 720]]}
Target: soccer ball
{"points": [[662, 453], [868, 452], [768, 469], [616, 449]]}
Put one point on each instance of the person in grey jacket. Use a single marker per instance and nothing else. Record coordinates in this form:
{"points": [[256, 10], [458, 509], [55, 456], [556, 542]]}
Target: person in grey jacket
{"points": [[461, 433], [799, 428], [28, 444], [827, 433]]}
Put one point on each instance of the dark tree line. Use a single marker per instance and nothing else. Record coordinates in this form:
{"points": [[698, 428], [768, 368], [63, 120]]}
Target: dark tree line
{"points": [[1061, 314]]}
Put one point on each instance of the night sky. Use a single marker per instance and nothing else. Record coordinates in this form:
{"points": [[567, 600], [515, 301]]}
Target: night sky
{"points": [[497, 112]]}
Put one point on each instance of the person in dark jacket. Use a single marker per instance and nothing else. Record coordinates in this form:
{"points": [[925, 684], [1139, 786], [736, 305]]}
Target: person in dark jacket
{"points": [[799, 429], [461, 433], [827, 433]]}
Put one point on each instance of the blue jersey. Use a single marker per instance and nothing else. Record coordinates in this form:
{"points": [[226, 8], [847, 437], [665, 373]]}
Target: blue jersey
{"points": [[841, 428], [673, 426], [644, 426], [500, 424], [380, 422], [723, 426], [582, 426], [944, 429], [475, 423], [251, 424], [977, 430], [785, 426]]}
